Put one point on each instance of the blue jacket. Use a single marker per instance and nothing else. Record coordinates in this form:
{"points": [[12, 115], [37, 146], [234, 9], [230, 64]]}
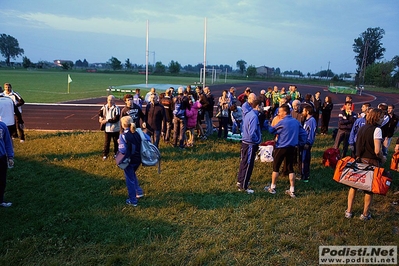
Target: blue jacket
{"points": [[246, 108], [6, 147], [310, 127], [356, 126], [290, 133], [130, 145], [251, 133]]}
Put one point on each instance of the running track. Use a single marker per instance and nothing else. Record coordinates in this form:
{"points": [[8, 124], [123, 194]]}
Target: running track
{"points": [[83, 114]]}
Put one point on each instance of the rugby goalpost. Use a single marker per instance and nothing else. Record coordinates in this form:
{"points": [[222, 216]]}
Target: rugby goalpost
{"points": [[203, 70]]}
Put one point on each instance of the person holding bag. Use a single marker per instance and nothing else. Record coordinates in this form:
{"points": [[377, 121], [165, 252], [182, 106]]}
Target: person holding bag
{"points": [[224, 105], [368, 151], [130, 143]]}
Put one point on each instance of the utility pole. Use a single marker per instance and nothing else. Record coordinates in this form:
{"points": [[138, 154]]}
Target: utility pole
{"points": [[328, 68], [364, 63]]}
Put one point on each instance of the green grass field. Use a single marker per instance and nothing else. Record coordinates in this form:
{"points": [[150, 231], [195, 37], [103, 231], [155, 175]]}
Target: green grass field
{"points": [[69, 209], [51, 86]]}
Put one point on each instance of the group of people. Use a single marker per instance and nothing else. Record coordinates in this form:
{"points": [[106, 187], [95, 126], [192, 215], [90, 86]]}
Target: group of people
{"points": [[290, 133], [292, 119], [160, 115], [11, 124], [178, 112], [294, 122], [285, 111], [170, 115]]}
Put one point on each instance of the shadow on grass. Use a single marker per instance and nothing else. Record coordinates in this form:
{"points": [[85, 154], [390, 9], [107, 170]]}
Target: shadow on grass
{"points": [[199, 200], [70, 155], [68, 205], [56, 134]]}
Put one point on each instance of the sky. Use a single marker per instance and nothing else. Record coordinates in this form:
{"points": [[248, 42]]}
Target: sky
{"points": [[304, 35]]}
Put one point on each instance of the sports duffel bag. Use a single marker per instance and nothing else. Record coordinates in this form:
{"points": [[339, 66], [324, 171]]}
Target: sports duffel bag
{"points": [[363, 176]]}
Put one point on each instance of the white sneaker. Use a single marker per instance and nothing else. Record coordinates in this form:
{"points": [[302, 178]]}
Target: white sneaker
{"points": [[348, 215], [249, 191], [6, 204], [270, 190], [365, 218], [289, 193]]}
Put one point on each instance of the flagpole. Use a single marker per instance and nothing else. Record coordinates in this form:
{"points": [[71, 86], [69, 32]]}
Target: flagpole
{"points": [[146, 58], [69, 81], [204, 73]]}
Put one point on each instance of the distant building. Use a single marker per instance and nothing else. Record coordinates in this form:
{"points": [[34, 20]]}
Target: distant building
{"points": [[97, 65], [265, 71]]}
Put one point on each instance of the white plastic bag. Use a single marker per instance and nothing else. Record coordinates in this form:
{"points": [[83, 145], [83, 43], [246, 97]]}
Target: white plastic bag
{"points": [[266, 153]]}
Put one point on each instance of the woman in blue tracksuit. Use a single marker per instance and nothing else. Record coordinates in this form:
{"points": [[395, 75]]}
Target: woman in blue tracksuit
{"points": [[251, 138], [130, 143]]}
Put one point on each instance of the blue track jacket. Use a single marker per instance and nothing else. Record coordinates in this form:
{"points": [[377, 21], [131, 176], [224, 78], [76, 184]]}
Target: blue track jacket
{"points": [[290, 133], [251, 133], [356, 126], [6, 147], [310, 127]]}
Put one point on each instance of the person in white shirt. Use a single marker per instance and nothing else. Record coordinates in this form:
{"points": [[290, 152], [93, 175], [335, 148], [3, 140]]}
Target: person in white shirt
{"points": [[18, 101]]}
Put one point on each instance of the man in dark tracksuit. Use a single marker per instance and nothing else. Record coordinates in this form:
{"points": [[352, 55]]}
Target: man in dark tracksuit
{"points": [[155, 119], [167, 103], [346, 120], [133, 110]]}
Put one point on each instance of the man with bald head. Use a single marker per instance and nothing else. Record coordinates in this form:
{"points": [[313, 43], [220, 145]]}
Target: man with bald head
{"points": [[247, 106], [251, 138]]}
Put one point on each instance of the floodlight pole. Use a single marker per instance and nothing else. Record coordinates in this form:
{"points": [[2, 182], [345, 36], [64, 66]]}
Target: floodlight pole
{"points": [[364, 63], [328, 69], [146, 58], [204, 72]]}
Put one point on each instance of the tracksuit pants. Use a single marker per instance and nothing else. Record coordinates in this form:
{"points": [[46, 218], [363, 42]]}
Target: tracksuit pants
{"points": [[248, 154]]}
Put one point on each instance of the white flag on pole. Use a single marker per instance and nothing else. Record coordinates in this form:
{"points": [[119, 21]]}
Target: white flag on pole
{"points": [[69, 79]]}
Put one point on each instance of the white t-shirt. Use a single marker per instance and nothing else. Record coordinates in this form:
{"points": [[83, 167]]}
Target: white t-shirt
{"points": [[377, 133], [7, 111]]}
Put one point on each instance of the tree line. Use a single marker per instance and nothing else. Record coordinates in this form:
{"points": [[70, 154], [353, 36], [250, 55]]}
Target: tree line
{"points": [[368, 49]]}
